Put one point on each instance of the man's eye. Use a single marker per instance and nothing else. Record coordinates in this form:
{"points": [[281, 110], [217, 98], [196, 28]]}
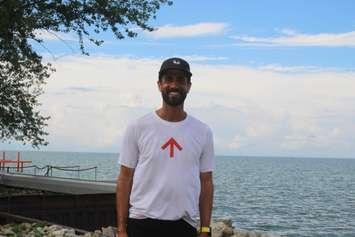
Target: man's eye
{"points": [[168, 79], [179, 79]]}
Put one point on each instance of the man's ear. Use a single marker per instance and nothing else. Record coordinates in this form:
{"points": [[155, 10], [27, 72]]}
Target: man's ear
{"points": [[159, 85], [189, 87]]}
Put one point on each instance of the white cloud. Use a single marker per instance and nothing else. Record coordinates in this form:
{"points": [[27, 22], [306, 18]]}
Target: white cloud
{"points": [[251, 110], [290, 69], [287, 31], [194, 30], [292, 38], [314, 137]]}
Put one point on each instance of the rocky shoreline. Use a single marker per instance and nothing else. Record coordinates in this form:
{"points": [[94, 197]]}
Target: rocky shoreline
{"points": [[224, 228], [220, 228]]}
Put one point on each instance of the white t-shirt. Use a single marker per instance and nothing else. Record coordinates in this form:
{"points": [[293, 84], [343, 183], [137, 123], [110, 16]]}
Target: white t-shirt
{"points": [[168, 158]]}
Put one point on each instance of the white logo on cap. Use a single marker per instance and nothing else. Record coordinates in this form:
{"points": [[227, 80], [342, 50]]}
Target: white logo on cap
{"points": [[176, 61]]}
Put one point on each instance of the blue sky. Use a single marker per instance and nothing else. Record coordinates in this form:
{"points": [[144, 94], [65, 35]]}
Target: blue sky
{"points": [[270, 78]]}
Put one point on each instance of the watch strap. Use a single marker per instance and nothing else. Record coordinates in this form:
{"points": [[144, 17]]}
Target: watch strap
{"points": [[205, 229]]}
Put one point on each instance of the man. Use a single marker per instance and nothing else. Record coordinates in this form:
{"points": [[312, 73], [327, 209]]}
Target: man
{"points": [[167, 159]]}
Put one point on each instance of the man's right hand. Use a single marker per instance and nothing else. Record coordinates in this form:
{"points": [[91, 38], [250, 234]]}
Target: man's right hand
{"points": [[122, 234], [123, 190]]}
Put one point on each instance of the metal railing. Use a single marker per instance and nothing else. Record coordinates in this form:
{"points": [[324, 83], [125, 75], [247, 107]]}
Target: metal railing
{"points": [[48, 170]]}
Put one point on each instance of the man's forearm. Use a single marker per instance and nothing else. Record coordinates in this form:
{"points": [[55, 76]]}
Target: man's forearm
{"points": [[206, 200], [123, 190]]}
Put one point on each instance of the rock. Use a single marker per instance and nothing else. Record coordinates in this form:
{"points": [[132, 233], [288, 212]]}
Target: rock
{"points": [[240, 233], [222, 228], [39, 229], [25, 226], [53, 228], [217, 229], [63, 233], [228, 231], [58, 233], [109, 231], [69, 233], [87, 234], [227, 222], [8, 232], [97, 233]]}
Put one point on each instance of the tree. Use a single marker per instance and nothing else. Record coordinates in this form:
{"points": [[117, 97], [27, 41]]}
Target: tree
{"points": [[22, 72]]}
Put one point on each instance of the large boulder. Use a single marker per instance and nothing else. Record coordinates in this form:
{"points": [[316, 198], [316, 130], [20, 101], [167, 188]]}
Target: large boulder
{"points": [[224, 228]]}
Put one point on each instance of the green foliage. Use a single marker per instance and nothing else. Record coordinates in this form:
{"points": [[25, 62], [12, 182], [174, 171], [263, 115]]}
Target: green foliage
{"points": [[22, 72]]}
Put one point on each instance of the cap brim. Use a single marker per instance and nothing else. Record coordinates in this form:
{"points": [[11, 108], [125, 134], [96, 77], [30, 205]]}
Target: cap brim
{"points": [[175, 68]]}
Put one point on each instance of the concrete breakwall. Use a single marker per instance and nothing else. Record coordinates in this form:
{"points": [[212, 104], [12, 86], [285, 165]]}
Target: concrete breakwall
{"points": [[76, 203], [81, 204], [55, 184]]}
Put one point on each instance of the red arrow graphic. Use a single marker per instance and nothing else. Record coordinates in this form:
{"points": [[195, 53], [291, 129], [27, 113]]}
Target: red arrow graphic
{"points": [[171, 143]]}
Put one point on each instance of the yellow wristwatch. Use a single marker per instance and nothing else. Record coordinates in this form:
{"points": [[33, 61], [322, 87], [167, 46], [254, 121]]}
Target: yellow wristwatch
{"points": [[206, 229]]}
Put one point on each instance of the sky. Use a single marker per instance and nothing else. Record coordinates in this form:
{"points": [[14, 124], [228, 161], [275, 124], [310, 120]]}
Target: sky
{"points": [[271, 78]]}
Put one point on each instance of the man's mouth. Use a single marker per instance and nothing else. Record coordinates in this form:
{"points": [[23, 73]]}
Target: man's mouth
{"points": [[174, 93]]}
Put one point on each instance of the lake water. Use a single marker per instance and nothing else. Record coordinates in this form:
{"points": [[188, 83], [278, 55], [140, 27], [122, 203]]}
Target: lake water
{"points": [[287, 196]]}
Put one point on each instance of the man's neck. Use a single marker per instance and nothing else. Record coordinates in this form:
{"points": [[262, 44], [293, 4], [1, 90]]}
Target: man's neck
{"points": [[172, 113]]}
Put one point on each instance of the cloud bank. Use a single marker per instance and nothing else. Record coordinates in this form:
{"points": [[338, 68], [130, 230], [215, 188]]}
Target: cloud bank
{"points": [[294, 39], [252, 111]]}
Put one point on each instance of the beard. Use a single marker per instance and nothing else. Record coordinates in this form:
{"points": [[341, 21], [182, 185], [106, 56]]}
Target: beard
{"points": [[174, 97]]}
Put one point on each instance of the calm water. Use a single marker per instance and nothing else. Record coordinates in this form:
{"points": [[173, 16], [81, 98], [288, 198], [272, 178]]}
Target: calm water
{"points": [[288, 196]]}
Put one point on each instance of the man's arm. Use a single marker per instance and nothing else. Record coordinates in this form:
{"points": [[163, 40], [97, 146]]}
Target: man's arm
{"points": [[123, 191], [206, 199]]}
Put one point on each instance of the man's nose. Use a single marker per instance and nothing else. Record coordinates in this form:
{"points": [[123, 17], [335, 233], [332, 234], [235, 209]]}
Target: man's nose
{"points": [[174, 83]]}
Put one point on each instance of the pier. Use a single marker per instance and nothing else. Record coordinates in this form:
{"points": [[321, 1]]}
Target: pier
{"points": [[19, 163], [74, 202]]}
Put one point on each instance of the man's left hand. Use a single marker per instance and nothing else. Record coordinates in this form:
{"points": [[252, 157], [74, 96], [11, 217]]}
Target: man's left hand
{"points": [[203, 235]]}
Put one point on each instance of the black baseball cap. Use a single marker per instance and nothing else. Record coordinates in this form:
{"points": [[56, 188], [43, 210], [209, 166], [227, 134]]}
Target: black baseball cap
{"points": [[175, 63]]}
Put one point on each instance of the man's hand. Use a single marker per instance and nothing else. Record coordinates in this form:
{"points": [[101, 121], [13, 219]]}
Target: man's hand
{"points": [[122, 234], [123, 190], [203, 235], [206, 200]]}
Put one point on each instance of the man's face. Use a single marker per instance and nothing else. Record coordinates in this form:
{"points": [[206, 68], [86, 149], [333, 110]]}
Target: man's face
{"points": [[174, 86]]}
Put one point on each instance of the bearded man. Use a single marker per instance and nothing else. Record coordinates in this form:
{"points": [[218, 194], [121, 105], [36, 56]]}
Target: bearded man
{"points": [[165, 182]]}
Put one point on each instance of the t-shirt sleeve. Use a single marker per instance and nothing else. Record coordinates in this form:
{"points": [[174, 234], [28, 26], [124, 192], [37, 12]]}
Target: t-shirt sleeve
{"points": [[207, 157], [129, 150]]}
